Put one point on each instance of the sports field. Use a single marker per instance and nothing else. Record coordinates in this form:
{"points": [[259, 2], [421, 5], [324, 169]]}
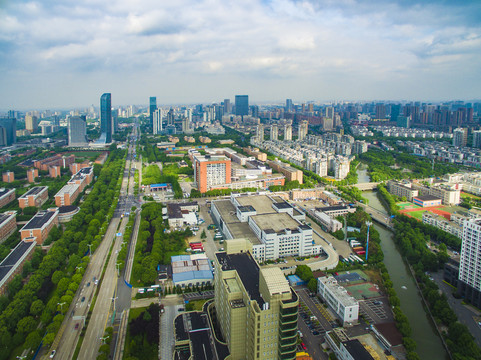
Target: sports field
{"points": [[418, 214], [407, 206], [363, 291]]}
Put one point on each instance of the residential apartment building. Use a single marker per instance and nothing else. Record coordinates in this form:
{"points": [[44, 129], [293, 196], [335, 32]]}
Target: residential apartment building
{"points": [[13, 263], [288, 171], [36, 196], [6, 196], [31, 175], [256, 309], [8, 224], [442, 223], [402, 189], [8, 176], [344, 305], [39, 226], [469, 280]]}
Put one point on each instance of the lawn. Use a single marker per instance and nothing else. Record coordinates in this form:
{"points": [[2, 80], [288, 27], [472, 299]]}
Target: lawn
{"points": [[466, 195], [418, 214]]}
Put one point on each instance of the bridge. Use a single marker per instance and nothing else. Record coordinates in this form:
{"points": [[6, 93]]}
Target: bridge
{"points": [[367, 186], [377, 216]]}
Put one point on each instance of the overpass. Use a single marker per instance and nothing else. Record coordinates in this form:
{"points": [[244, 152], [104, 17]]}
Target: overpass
{"points": [[367, 186], [377, 216]]}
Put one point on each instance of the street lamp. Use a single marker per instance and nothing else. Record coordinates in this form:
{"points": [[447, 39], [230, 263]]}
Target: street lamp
{"points": [[104, 338], [113, 299], [368, 223], [61, 306], [90, 250]]}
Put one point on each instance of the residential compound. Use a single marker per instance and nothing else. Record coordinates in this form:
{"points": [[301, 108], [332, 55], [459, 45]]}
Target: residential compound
{"points": [[256, 308], [271, 227], [328, 154], [70, 191], [224, 168]]}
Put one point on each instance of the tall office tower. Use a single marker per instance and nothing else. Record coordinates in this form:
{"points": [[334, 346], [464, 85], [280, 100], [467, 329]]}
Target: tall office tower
{"points": [[227, 106], [8, 131], [329, 111], [303, 129], [256, 308], [310, 107], [460, 137], [274, 132], [56, 120], [170, 117], [31, 123], [288, 132], [106, 116], [115, 122], [477, 139], [403, 121], [77, 131], [289, 107], [152, 108], [12, 114], [255, 111], [158, 116], [242, 105], [395, 111], [469, 280], [260, 132], [380, 111]]}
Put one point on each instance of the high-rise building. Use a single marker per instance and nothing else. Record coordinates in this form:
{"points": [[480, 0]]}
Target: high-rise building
{"points": [[255, 111], [303, 129], [288, 132], [469, 279], [256, 308], [210, 171], [242, 105], [157, 118], [274, 132], [329, 111], [395, 111], [460, 137], [185, 124], [152, 108], [8, 131], [106, 116], [31, 123], [260, 132], [477, 139], [380, 111], [289, 107], [227, 106], [77, 131]]}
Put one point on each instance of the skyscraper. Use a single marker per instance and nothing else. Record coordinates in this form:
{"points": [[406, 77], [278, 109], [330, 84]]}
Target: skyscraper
{"points": [[288, 132], [227, 106], [106, 116], [152, 108], [274, 132], [8, 132], [303, 130], [158, 116], [477, 139], [77, 131], [460, 137], [242, 105], [469, 280], [288, 105]]}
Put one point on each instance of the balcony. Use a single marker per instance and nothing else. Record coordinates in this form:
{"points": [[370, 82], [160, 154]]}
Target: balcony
{"points": [[288, 318]]}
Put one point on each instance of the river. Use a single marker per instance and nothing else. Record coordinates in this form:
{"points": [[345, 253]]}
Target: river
{"points": [[429, 345]]}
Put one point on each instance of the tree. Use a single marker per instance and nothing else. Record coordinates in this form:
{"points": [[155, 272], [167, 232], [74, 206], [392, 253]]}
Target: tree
{"points": [[26, 325], [203, 235], [37, 307], [57, 276]]}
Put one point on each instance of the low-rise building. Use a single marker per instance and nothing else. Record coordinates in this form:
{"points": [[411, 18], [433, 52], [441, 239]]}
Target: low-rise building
{"points": [[344, 305], [442, 223], [67, 194], [8, 224], [336, 210], [6, 196], [191, 270], [427, 201], [402, 189], [31, 175], [36, 196], [287, 170], [8, 176], [180, 214], [54, 171], [13, 263], [40, 225]]}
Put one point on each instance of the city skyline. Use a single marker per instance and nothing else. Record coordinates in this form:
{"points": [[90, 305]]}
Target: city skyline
{"points": [[191, 52]]}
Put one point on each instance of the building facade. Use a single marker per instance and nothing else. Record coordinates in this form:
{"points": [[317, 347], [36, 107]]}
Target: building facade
{"points": [[242, 105], [345, 306], [106, 116], [36, 196], [211, 171], [469, 280], [77, 131]]}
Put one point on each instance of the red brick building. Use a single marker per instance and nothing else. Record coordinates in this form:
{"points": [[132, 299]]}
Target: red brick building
{"points": [[8, 224], [211, 171], [36, 196], [8, 177], [31, 175], [39, 226], [6, 196]]}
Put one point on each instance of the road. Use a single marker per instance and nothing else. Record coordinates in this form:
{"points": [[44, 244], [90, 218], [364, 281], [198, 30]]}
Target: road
{"points": [[68, 336]]}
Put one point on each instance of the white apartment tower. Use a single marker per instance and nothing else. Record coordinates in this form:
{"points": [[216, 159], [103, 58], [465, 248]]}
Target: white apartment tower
{"points": [[469, 280], [288, 132], [158, 116], [274, 132], [477, 139]]}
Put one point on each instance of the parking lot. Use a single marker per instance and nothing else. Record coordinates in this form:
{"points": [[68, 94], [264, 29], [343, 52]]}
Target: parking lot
{"points": [[201, 295]]}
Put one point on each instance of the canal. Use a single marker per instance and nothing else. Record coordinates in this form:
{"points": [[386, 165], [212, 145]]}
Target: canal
{"points": [[429, 344]]}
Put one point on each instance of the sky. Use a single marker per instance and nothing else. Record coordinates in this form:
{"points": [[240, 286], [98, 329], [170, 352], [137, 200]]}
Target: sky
{"points": [[66, 53]]}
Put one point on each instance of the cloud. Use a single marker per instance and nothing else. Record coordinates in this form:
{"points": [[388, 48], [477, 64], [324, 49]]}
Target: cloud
{"points": [[208, 48]]}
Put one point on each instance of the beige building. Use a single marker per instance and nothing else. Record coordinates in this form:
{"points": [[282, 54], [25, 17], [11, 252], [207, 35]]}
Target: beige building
{"points": [[402, 189], [31, 123], [256, 308], [287, 170]]}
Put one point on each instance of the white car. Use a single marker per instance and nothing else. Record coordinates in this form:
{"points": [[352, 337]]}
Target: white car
{"points": [[52, 354]]}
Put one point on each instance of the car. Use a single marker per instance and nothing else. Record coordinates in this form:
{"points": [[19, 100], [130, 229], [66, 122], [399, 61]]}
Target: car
{"points": [[88, 284], [52, 354], [76, 326], [83, 299], [96, 282], [377, 302], [315, 333], [180, 309], [303, 345]]}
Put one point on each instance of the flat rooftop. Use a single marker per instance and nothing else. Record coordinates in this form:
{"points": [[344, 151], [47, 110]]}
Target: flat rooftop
{"points": [[67, 189], [248, 272], [427, 198], [261, 203], [11, 260], [34, 191], [39, 220], [275, 280], [3, 218], [237, 229], [276, 222]]}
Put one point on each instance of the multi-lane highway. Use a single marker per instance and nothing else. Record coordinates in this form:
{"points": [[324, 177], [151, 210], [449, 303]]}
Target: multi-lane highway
{"points": [[68, 336]]}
